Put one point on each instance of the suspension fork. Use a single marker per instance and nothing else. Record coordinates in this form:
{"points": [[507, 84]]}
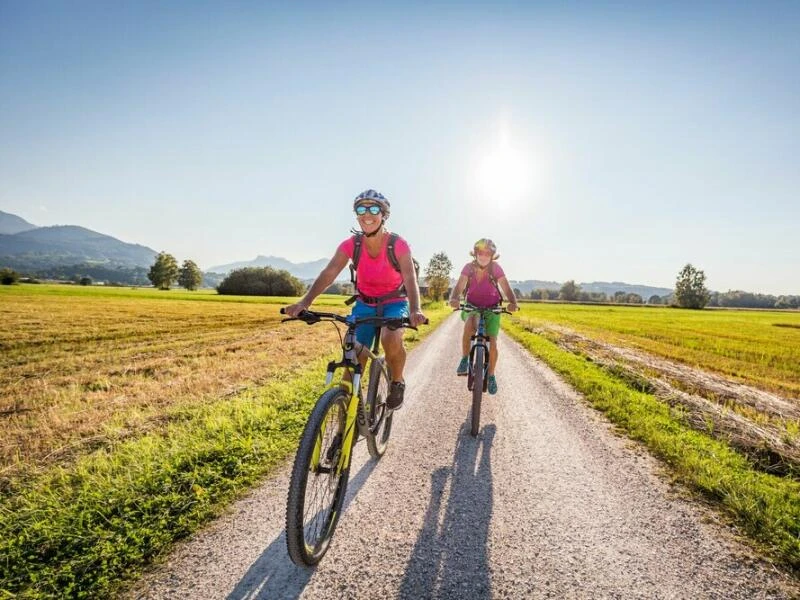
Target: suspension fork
{"points": [[349, 424]]}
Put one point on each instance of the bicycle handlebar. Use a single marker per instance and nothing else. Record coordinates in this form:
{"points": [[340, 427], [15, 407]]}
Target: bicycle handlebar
{"points": [[310, 317], [471, 308]]}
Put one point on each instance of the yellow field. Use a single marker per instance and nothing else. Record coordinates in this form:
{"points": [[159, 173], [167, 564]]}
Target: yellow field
{"points": [[81, 367]]}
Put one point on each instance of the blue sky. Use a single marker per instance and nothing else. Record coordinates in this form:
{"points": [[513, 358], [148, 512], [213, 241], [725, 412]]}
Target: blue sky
{"points": [[592, 141]]}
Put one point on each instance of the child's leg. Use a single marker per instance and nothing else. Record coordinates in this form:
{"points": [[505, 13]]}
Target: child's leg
{"points": [[469, 330], [492, 354]]}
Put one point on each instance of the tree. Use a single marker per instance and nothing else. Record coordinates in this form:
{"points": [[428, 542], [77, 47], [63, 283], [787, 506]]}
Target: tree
{"points": [[569, 291], [690, 289], [190, 276], [437, 275], [164, 271], [654, 299], [8, 276], [261, 281], [85, 281]]}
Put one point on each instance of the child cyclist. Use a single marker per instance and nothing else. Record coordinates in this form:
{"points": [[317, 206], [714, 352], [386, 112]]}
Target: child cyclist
{"points": [[386, 284], [481, 280]]}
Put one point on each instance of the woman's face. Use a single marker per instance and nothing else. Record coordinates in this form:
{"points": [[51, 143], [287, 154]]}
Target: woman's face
{"points": [[484, 257], [369, 223]]}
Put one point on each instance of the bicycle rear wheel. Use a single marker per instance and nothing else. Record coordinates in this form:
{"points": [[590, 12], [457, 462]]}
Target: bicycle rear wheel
{"points": [[478, 370], [379, 418], [319, 481]]}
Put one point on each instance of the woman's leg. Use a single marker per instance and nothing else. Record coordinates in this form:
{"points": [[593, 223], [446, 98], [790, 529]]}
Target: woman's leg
{"points": [[395, 352]]}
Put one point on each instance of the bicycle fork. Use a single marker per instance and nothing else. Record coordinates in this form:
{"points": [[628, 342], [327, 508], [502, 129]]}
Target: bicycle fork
{"points": [[350, 426], [478, 341]]}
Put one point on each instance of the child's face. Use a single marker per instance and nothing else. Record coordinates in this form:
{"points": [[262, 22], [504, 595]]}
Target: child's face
{"points": [[484, 257]]}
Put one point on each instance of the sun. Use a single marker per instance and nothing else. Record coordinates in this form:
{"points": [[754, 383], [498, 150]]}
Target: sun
{"points": [[504, 174]]}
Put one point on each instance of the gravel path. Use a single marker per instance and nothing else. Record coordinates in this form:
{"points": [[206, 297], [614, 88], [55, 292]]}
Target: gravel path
{"points": [[546, 503]]}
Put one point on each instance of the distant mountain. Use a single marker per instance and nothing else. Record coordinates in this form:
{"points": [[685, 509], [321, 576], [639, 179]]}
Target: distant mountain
{"points": [[10, 224], [645, 291], [534, 284], [608, 288], [68, 245], [304, 270]]}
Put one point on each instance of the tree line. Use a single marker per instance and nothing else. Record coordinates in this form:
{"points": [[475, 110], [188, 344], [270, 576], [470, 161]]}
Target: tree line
{"points": [[690, 290]]}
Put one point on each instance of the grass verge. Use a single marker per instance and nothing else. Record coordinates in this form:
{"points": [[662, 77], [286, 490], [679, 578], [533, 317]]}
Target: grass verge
{"points": [[765, 506], [82, 530]]}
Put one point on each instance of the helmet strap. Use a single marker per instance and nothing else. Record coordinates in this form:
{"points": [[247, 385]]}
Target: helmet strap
{"points": [[377, 231]]}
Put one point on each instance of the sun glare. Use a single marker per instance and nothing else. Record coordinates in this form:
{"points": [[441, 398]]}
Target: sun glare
{"points": [[504, 174]]}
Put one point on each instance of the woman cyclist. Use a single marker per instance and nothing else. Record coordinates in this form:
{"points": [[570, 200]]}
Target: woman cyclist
{"points": [[382, 289], [482, 278]]}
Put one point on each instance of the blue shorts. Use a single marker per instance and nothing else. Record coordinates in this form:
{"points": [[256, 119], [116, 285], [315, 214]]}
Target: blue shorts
{"points": [[365, 334]]}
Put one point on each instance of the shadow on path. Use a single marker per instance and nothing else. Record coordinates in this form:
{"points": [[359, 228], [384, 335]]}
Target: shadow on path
{"points": [[273, 575], [450, 558]]}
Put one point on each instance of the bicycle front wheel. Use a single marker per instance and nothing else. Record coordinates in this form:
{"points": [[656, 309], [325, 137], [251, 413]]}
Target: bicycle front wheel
{"points": [[319, 480], [478, 369], [379, 417]]}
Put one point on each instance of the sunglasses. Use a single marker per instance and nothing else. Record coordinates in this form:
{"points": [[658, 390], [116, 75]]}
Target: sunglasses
{"points": [[372, 209]]}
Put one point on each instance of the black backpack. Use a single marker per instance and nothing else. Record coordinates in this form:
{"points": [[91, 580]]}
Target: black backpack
{"points": [[400, 292]]}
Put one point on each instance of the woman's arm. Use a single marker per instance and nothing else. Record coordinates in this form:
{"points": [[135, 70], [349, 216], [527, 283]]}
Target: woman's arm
{"points": [[322, 283]]}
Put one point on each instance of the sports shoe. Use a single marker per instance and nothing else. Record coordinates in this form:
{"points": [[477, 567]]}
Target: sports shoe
{"points": [[395, 398], [492, 384], [463, 366]]}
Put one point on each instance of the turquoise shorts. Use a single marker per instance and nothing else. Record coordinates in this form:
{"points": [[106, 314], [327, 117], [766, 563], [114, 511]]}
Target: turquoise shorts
{"points": [[492, 322], [365, 334]]}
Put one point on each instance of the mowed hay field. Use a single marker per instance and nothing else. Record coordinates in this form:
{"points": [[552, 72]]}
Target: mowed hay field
{"points": [[759, 348], [82, 367], [130, 417]]}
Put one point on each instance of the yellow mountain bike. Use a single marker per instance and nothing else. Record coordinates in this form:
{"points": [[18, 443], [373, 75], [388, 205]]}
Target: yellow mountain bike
{"points": [[341, 415]]}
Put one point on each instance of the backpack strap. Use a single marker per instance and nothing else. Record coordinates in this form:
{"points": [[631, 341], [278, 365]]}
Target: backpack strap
{"points": [[390, 251], [358, 239], [489, 273]]}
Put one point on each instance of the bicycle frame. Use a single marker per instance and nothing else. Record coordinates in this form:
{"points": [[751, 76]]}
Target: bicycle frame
{"points": [[479, 339], [356, 417]]}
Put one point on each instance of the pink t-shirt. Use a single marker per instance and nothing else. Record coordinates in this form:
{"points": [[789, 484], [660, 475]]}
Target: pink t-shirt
{"points": [[483, 293], [376, 276]]}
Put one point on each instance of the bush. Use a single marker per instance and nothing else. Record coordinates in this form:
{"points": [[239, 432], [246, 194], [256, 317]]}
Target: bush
{"points": [[8, 276], [261, 281]]}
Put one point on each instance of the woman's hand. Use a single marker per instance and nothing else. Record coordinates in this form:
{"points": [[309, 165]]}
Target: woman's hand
{"points": [[295, 309], [455, 302], [512, 307], [417, 318]]}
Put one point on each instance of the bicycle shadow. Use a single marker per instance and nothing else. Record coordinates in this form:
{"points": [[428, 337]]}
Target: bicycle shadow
{"points": [[273, 575], [451, 560]]}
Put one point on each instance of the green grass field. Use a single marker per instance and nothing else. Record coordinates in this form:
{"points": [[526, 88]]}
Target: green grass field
{"points": [[132, 416], [760, 348]]}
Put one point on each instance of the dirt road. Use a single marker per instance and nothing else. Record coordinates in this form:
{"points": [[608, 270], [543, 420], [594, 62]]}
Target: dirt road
{"points": [[546, 503]]}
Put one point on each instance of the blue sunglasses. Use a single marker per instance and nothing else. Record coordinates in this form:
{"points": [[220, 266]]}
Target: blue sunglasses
{"points": [[372, 209]]}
